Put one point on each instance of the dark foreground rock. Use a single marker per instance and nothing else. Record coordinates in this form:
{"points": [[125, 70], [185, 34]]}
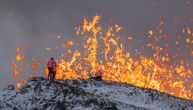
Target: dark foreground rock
{"points": [[42, 94]]}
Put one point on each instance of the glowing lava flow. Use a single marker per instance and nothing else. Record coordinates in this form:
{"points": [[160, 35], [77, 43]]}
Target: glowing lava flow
{"points": [[117, 64]]}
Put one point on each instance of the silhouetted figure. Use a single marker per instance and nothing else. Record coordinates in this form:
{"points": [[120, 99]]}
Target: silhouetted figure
{"points": [[51, 68], [98, 75]]}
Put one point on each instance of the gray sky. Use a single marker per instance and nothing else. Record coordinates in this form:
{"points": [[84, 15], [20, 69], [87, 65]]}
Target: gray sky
{"points": [[35, 23]]}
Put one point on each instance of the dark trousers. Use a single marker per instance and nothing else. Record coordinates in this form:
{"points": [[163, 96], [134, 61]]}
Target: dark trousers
{"points": [[98, 78], [54, 74], [50, 69]]}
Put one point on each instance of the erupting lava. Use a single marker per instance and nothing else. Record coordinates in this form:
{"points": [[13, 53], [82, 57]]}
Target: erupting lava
{"points": [[104, 51]]}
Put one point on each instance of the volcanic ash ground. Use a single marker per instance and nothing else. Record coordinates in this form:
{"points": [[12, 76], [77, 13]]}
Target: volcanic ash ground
{"points": [[41, 94]]}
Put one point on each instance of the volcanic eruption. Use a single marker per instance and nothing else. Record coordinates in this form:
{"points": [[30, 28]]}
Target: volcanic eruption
{"points": [[103, 49]]}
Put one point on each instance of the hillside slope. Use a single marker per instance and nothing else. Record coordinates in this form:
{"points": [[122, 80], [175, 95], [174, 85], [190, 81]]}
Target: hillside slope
{"points": [[42, 94]]}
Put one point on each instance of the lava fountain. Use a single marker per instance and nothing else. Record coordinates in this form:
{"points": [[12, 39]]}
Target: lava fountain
{"points": [[104, 50]]}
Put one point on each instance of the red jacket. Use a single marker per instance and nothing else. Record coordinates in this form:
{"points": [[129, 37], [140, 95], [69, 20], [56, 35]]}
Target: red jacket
{"points": [[50, 63], [98, 73]]}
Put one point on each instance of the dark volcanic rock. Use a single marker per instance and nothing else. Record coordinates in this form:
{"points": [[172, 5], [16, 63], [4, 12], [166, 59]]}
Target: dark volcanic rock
{"points": [[42, 94]]}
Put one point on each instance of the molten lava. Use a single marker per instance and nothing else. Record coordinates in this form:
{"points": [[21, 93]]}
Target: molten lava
{"points": [[104, 51]]}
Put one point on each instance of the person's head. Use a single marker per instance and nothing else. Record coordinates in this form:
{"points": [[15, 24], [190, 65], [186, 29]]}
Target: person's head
{"points": [[52, 58]]}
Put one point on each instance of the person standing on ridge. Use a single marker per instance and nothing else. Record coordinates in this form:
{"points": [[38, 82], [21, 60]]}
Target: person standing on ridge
{"points": [[98, 75], [51, 68]]}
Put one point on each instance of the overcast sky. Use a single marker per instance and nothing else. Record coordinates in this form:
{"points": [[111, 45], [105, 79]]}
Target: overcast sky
{"points": [[36, 22]]}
